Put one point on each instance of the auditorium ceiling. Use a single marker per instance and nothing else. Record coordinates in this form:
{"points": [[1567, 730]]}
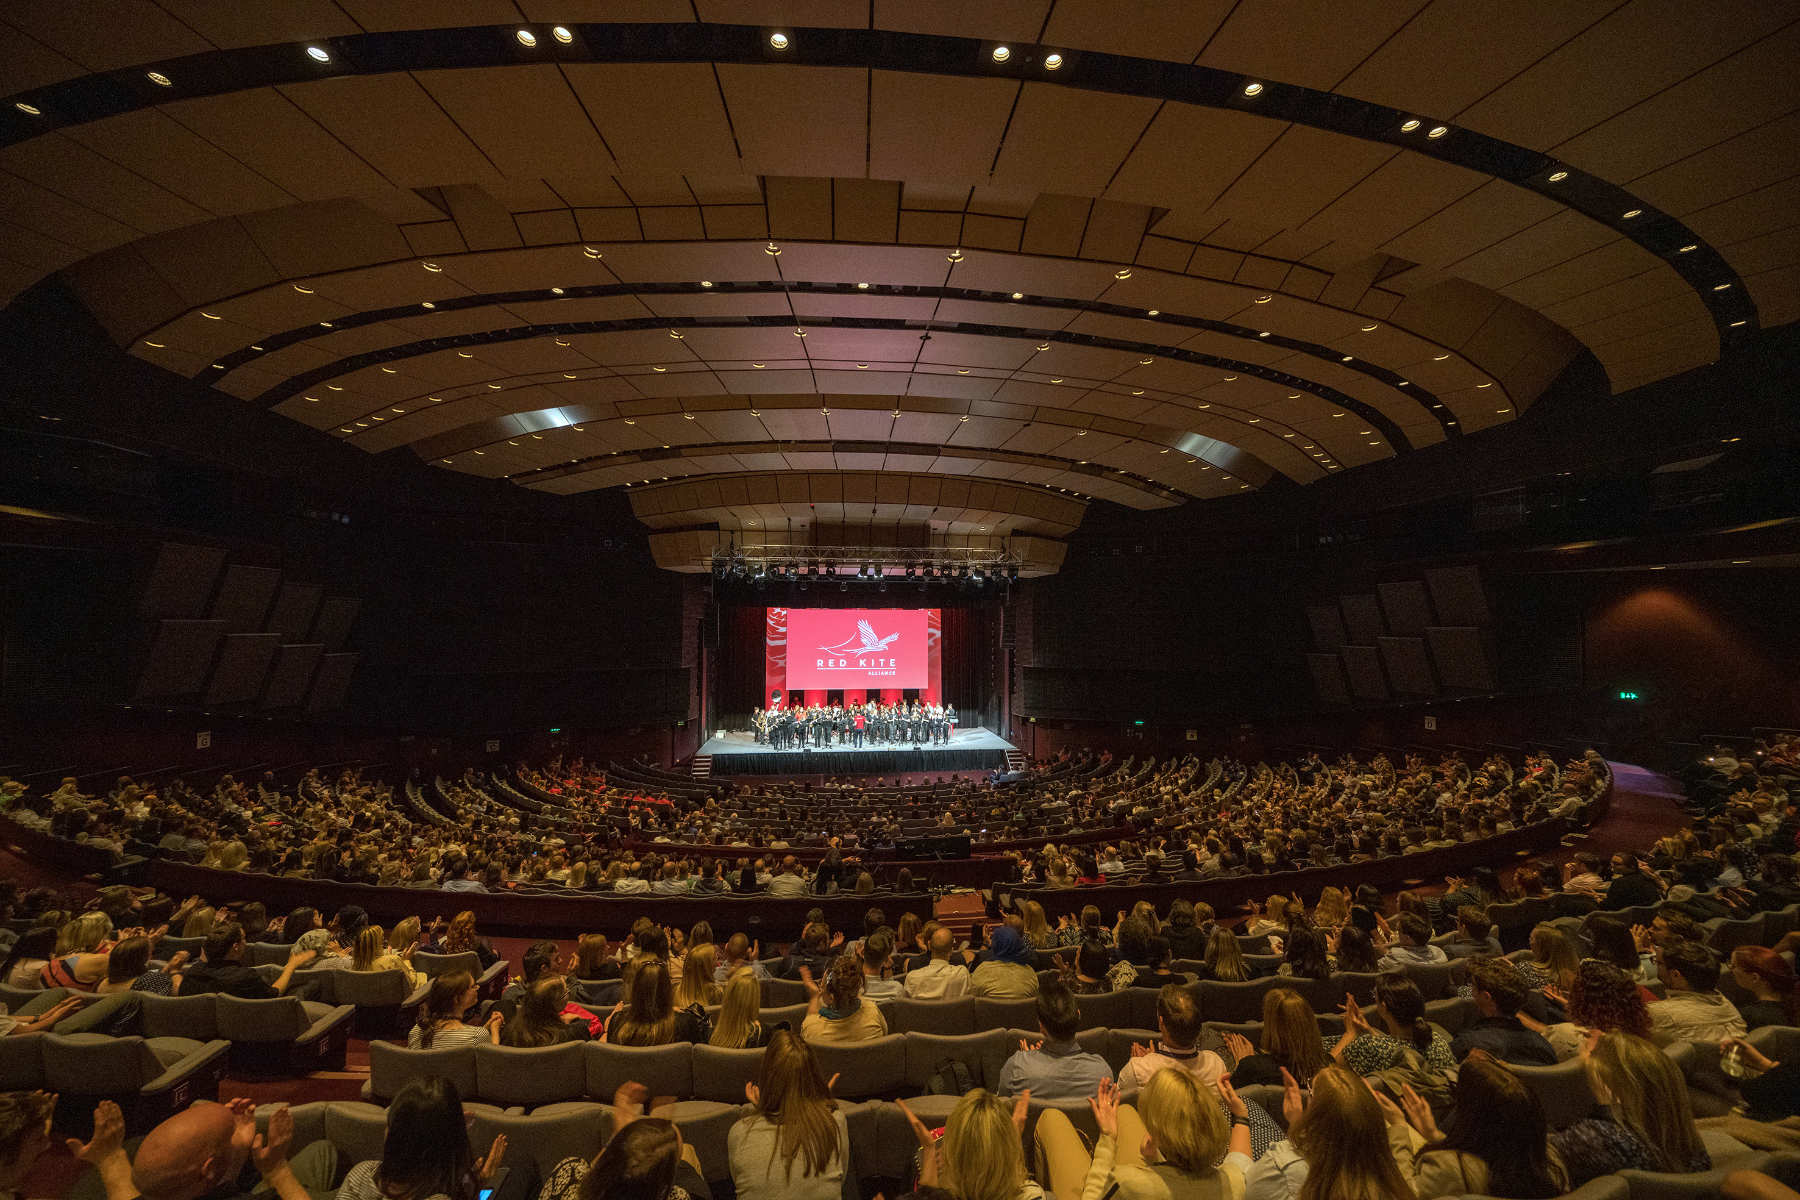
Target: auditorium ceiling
{"points": [[756, 261]]}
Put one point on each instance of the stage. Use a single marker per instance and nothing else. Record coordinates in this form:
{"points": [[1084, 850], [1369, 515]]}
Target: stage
{"points": [[969, 750]]}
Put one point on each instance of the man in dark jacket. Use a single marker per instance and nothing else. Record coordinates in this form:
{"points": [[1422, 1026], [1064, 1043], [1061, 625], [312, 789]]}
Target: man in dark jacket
{"points": [[1500, 992], [1631, 885]]}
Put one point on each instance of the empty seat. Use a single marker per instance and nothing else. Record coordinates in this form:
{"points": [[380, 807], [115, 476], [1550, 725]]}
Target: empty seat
{"points": [[284, 1036], [392, 1067], [949, 1017], [665, 1070], [1004, 1014], [777, 992], [1234, 1001], [384, 1001], [194, 1017], [982, 1053], [720, 1074], [530, 1076], [1106, 1009], [150, 1079], [1433, 979], [1725, 935], [876, 1067]]}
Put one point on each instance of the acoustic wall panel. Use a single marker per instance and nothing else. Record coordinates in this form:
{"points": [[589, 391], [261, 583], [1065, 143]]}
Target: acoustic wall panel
{"points": [[295, 604], [181, 655], [243, 665], [1464, 660], [181, 581], [1362, 618], [1363, 664], [1328, 678], [331, 683], [336, 617], [1407, 607], [1408, 668], [1458, 596], [1327, 626], [291, 675], [244, 596]]}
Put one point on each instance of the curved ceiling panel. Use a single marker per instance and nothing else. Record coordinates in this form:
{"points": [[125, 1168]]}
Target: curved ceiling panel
{"points": [[1143, 257]]}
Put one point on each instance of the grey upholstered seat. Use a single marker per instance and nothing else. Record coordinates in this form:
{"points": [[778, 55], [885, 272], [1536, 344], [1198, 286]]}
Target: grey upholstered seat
{"points": [[508, 1075]]}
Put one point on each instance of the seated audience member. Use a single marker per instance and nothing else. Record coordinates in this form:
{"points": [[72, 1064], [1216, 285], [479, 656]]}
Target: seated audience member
{"points": [[425, 1154], [28, 957], [1055, 1068], [1474, 936], [1413, 944], [1187, 931], [697, 984], [1177, 1047], [1758, 970], [648, 1016], [372, 952], [811, 953], [1631, 885], [440, 1025], [1499, 992], [1290, 1042], [939, 978], [1603, 998], [739, 953], [738, 1026], [545, 1017], [838, 1011], [1497, 1143], [877, 966], [1336, 1146], [1553, 959], [1008, 973], [980, 1155], [1224, 958], [462, 938], [1355, 951], [456, 876], [1581, 875], [1695, 1011], [594, 962], [1399, 1026], [81, 967], [1175, 1142], [24, 1135], [1091, 974], [1304, 957], [1648, 1122], [128, 970], [794, 1143], [790, 880], [1773, 1095], [1273, 918], [44, 1020], [221, 968], [207, 1150]]}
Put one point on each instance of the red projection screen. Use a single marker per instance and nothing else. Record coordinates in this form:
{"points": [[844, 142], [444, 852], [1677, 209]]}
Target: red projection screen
{"points": [[862, 652]]}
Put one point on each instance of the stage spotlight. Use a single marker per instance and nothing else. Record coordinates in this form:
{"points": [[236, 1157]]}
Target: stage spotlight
{"points": [[909, 572]]}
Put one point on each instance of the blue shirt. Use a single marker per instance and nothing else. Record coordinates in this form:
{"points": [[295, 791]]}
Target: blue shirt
{"points": [[1054, 1071]]}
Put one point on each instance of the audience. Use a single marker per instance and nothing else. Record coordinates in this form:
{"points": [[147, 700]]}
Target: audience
{"points": [[794, 1143], [838, 1011], [1695, 1011]]}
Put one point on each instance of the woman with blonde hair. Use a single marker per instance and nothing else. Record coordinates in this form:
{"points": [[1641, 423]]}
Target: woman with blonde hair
{"points": [[737, 1027], [1336, 1148], [1037, 928], [1274, 918], [697, 969], [1290, 1042], [795, 1144], [370, 952], [980, 1155], [1333, 909], [1177, 1141], [1553, 959], [1649, 1122], [593, 958], [648, 1016], [1225, 958]]}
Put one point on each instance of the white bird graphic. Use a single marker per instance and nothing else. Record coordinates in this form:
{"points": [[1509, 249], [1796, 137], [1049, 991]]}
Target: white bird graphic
{"points": [[870, 644]]}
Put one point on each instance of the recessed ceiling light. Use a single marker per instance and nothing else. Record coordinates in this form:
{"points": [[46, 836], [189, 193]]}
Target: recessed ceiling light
{"points": [[1043, 346], [1058, 379], [1264, 333], [1264, 299], [954, 256], [210, 316], [862, 366], [318, 54], [755, 413], [676, 334], [1449, 422], [1489, 383], [435, 399], [1002, 53], [1370, 328], [1558, 176], [1410, 124], [591, 252], [1296, 396], [559, 341], [773, 250], [706, 283], [1191, 461], [256, 348], [556, 291], [1122, 273], [389, 371], [1729, 440], [962, 370], [1253, 89], [1228, 378], [827, 412], [1719, 287], [1630, 213], [30, 110], [568, 374], [326, 325], [401, 411], [1139, 392], [1502, 411], [1439, 357], [629, 421], [312, 399], [494, 387], [1348, 358], [1256, 420], [1202, 406], [427, 304], [464, 354], [345, 429], [561, 33], [1144, 362], [1154, 312], [483, 453], [1735, 324], [526, 37], [659, 370], [862, 287], [1081, 433], [1053, 62], [896, 414], [964, 417], [1404, 383], [778, 41], [155, 345], [1289, 435], [1437, 131], [159, 79], [303, 290], [799, 333], [1018, 295], [758, 366], [688, 416], [1689, 248]]}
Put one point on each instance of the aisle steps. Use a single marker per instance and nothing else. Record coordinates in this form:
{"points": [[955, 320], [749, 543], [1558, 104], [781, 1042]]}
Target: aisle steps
{"points": [[701, 767]]}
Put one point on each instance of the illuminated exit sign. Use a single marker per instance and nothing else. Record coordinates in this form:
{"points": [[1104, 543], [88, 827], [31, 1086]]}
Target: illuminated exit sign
{"points": [[1628, 695]]}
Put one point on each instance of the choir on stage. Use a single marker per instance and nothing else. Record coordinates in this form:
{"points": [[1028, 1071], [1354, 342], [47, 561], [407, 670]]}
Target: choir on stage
{"points": [[873, 723]]}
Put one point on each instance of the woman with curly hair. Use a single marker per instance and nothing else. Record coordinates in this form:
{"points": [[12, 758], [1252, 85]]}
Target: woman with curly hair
{"points": [[1602, 998]]}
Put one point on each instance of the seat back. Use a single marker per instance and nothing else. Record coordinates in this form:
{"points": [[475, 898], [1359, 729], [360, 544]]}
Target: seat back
{"points": [[948, 1017], [1562, 1090], [1656, 1185], [1235, 1001], [876, 1067], [665, 1070], [194, 1017], [777, 992], [1105, 1009], [167, 947], [982, 1053], [1004, 1014], [1434, 979], [1573, 904], [356, 1129], [370, 989], [1453, 1014], [544, 1138], [433, 965], [22, 1062], [509, 1075], [258, 953], [596, 992], [720, 1074], [92, 1064], [1260, 965], [392, 1067], [793, 1014], [1724, 936], [280, 1019], [1360, 984], [16, 998]]}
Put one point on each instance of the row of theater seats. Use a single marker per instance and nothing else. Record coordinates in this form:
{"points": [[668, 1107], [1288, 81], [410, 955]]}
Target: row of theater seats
{"points": [[882, 1147]]}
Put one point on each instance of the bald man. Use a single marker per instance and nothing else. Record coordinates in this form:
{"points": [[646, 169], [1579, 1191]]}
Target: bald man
{"points": [[202, 1152]]}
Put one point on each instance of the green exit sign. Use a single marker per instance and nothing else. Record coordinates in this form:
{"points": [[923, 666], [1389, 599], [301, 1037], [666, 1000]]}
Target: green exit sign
{"points": [[1628, 695], [1137, 722]]}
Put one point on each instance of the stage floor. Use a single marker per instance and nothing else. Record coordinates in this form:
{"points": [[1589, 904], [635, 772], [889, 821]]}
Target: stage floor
{"points": [[963, 739], [970, 750]]}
